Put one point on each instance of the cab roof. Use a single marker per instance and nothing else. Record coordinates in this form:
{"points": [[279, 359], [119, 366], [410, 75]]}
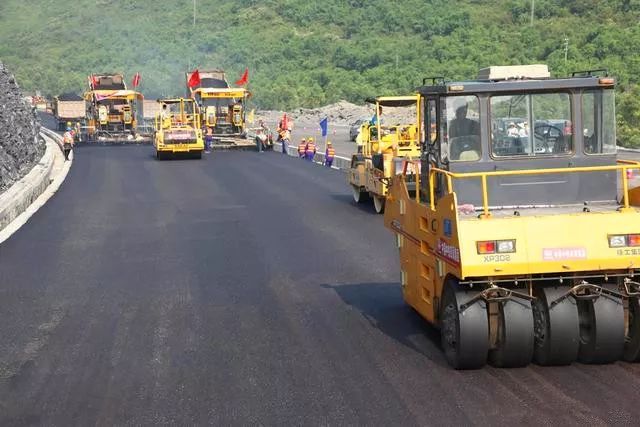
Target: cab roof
{"points": [[394, 101], [516, 85], [114, 94], [174, 100]]}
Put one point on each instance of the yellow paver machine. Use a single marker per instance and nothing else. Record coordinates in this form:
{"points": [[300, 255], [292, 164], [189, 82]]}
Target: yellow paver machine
{"points": [[113, 112], [383, 148], [520, 237], [223, 110], [177, 129]]}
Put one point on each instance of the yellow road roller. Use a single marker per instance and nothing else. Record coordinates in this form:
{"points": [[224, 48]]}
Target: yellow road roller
{"points": [[519, 238], [384, 145], [177, 129]]}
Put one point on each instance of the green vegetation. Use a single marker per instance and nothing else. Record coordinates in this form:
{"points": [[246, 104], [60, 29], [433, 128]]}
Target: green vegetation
{"points": [[305, 54]]}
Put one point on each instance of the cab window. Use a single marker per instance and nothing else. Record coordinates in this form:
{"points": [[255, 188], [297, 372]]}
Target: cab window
{"points": [[513, 135], [460, 127], [598, 122]]}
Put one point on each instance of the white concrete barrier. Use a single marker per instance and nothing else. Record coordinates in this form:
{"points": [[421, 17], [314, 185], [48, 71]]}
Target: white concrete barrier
{"points": [[24, 197], [339, 162]]}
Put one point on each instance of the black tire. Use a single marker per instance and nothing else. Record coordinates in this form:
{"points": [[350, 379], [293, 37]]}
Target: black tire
{"points": [[465, 336], [197, 155], [557, 330], [516, 335], [378, 203], [601, 329], [359, 196], [632, 340]]}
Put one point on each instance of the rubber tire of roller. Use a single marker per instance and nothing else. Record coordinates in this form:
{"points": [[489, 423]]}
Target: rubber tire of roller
{"points": [[605, 340], [378, 204], [632, 341], [515, 345], [557, 331], [470, 328], [358, 195]]}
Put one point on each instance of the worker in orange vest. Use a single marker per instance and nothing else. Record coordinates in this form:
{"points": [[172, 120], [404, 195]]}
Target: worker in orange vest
{"points": [[329, 155], [302, 148], [311, 149]]}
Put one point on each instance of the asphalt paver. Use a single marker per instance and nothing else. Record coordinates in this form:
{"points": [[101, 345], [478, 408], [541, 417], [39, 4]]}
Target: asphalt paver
{"points": [[243, 288]]}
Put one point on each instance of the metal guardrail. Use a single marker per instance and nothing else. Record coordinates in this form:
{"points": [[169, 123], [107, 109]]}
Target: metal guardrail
{"points": [[623, 166]]}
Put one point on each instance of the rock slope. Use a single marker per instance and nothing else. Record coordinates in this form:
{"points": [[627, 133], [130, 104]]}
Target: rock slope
{"points": [[20, 145]]}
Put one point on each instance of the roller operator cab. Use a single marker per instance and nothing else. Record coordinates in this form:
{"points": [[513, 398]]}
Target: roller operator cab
{"points": [[177, 129], [523, 241], [384, 145]]}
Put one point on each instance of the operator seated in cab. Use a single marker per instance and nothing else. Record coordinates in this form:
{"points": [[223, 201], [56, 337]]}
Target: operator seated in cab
{"points": [[464, 134]]}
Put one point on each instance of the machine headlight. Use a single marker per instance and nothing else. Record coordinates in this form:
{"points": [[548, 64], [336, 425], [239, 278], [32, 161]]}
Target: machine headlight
{"points": [[496, 246], [623, 240], [506, 246], [617, 241]]}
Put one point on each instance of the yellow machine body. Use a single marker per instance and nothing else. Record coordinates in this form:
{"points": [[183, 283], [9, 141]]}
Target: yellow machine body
{"points": [[521, 245], [223, 109], [113, 114], [384, 147], [437, 242], [178, 129]]}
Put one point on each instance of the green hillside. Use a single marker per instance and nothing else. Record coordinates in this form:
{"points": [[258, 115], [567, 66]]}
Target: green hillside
{"points": [[304, 54]]}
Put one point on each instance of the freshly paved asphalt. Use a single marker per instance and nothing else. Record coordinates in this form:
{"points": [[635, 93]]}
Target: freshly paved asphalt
{"points": [[240, 289]]}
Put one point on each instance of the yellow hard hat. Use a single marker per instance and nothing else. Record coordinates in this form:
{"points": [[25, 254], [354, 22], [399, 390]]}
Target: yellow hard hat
{"points": [[328, 142]]}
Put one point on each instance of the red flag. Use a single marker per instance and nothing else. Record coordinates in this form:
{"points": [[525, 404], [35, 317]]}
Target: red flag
{"points": [[136, 80], [244, 79], [95, 82], [194, 79]]}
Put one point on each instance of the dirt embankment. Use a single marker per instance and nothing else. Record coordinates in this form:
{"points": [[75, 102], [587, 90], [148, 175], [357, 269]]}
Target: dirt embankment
{"points": [[342, 113], [20, 144]]}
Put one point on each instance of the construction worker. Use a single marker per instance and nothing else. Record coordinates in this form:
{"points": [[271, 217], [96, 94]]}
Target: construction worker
{"points": [[329, 155], [302, 149], [165, 116], [67, 142], [285, 141], [262, 137], [77, 132], [310, 149], [208, 140], [284, 137]]}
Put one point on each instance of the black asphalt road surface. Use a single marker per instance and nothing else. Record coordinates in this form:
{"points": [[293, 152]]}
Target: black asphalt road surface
{"points": [[241, 289]]}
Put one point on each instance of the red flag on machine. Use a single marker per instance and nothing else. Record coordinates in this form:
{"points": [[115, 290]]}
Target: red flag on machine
{"points": [[94, 82], [136, 80], [194, 79], [244, 79]]}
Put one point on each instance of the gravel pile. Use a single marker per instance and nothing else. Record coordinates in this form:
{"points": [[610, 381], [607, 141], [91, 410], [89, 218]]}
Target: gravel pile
{"points": [[20, 145], [342, 113]]}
